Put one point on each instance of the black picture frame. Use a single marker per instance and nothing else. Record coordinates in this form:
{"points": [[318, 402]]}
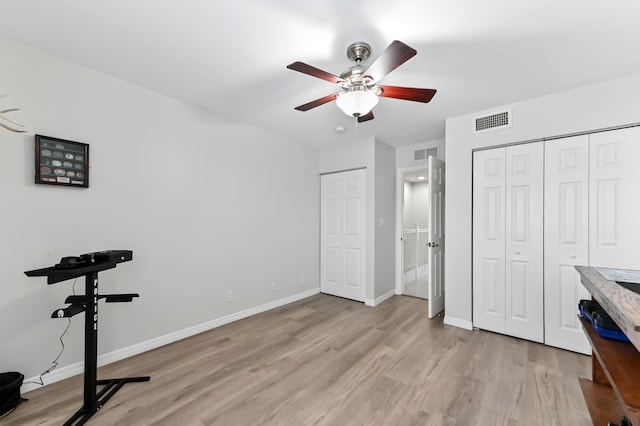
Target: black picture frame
{"points": [[61, 162]]}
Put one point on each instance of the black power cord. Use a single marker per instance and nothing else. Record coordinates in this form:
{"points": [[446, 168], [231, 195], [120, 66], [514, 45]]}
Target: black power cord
{"points": [[54, 363]]}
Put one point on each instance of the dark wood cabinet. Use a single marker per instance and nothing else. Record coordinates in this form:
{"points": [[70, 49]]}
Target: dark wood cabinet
{"points": [[614, 388]]}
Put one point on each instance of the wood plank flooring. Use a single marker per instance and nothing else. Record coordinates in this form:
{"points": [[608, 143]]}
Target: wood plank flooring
{"points": [[330, 361]]}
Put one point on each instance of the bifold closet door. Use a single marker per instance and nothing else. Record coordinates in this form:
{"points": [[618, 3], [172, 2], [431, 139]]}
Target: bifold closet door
{"points": [[489, 290], [614, 199], [524, 242], [508, 241], [566, 234]]}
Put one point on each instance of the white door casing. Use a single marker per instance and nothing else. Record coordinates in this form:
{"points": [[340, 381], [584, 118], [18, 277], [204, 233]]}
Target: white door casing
{"points": [[524, 241], [342, 234], [566, 235], [489, 240], [436, 236]]}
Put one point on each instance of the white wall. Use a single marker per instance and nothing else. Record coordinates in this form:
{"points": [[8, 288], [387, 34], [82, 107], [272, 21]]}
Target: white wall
{"points": [[598, 106], [385, 216], [408, 200], [206, 204], [405, 155], [416, 204]]}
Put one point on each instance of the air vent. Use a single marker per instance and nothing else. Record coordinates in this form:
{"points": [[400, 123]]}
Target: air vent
{"points": [[422, 154], [493, 121]]}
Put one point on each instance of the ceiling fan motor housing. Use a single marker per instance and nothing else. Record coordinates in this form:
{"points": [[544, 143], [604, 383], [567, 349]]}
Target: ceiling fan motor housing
{"points": [[358, 51], [352, 75]]}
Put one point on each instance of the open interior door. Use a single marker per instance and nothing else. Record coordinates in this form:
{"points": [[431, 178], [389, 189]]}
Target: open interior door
{"points": [[436, 236]]}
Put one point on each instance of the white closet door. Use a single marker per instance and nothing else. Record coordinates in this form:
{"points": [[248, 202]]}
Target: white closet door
{"points": [[489, 240], [342, 234], [614, 198], [524, 241], [566, 235]]}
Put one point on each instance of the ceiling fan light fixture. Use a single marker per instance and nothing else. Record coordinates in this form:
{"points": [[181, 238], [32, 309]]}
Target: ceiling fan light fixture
{"points": [[356, 103], [358, 83]]}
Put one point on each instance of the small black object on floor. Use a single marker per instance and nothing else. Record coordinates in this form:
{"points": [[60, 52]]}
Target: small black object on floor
{"points": [[10, 392]]}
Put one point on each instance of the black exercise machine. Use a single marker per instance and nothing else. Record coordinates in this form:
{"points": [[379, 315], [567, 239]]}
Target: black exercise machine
{"points": [[88, 265]]}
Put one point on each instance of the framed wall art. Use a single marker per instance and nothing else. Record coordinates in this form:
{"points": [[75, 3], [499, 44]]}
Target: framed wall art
{"points": [[61, 162]]}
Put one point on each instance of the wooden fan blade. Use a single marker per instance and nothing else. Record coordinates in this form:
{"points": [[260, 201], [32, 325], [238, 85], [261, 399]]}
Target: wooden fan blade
{"points": [[407, 93], [317, 102], [314, 72], [395, 55], [366, 117]]}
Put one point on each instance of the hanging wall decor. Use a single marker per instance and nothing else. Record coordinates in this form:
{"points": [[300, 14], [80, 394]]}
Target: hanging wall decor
{"points": [[61, 162], [9, 123]]}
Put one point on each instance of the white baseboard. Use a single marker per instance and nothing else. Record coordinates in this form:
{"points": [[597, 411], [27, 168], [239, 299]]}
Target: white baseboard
{"points": [[379, 300], [117, 355], [468, 325]]}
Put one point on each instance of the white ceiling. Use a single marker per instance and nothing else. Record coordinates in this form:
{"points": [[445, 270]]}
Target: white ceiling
{"points": [[229, 56], [417, 176]]}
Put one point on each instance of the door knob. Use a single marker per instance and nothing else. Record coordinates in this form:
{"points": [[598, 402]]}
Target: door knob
{"points": [[572, 255], [430, 244], [517, 251]]}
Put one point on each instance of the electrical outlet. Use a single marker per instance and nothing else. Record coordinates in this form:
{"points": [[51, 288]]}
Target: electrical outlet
{"points": [[229, 296], [274, 286]]}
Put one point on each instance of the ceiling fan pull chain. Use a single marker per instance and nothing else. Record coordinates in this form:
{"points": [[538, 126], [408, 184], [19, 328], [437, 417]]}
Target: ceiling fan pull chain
{"points": [[356, 126]]}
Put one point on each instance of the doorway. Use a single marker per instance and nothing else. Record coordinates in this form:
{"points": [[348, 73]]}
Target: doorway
{"points": [[415, 234], [420, 233]]}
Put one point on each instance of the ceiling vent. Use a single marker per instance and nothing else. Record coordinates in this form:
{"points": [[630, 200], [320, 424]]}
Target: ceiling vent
{"points": [[493, 121], [423, 154]]}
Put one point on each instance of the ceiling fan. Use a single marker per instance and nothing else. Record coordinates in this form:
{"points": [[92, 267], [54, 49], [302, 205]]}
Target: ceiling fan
{"points": [[360, 91]]}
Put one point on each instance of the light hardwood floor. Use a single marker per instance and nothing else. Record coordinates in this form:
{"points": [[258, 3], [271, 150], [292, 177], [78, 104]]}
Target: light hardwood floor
{"points": [[330, 361]]}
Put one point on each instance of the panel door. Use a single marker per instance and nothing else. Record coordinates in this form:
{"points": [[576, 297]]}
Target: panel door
{"points": [[342, 234], [489, 240], [566, 235], [524, 241], [436, 237], [614, 202]]}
